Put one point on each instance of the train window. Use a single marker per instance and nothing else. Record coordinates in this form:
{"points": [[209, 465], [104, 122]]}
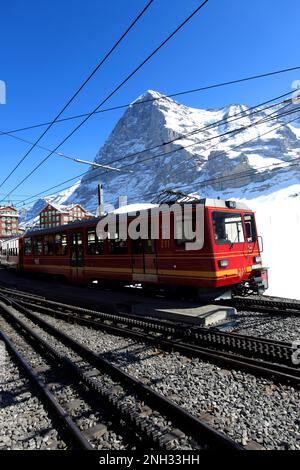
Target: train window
{"points": [[94, 245], [137, 246], [61, 244], [37, 246], [140, 246], [250, 228], [49, 245], [117, 246], [184, 229], [27, 246], [77, 254], [228, 228]]}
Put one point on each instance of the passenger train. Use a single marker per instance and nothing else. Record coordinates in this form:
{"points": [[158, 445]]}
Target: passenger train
{"points": [[229, 262]]}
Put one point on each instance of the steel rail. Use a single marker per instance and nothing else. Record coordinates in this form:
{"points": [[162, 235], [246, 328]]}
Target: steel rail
{"points": [[179, 328], [146, 431], [251, 346], [276, 307], [259, 367], [72, 429]]}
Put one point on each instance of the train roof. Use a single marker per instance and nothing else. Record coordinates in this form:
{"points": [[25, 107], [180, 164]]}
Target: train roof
{"points": [[60, 228], [222, 203], [131, 209]]}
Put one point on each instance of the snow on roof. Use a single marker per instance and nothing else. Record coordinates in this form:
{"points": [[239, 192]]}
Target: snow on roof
{"points": [[62, 208], [134, 208], [3, 208]]}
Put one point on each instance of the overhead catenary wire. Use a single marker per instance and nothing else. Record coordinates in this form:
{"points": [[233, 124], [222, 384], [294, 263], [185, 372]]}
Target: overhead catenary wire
{"points": [[123, 82], [102, 61], [237, 116], [238, 175], [175, 150], [183, 147], [240, 115], [171, 95], [160, 155], [204, 182]]}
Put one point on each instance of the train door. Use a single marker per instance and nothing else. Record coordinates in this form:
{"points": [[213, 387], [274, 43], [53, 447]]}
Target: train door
{"points": [[251, 239], [232, 250], [77, 257], [144, 261]]}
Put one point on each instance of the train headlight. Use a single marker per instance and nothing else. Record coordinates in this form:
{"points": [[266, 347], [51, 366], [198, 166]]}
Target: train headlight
{"points": [[257, 259], [223, 263]]}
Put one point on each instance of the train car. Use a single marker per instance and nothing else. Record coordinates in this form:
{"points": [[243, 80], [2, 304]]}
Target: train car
{"points": [[9, 253], [228, 262]]}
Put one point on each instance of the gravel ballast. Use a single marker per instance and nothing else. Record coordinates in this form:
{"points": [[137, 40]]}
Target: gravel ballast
{"points": [[86, 419], [248, 409], [24, 422]]}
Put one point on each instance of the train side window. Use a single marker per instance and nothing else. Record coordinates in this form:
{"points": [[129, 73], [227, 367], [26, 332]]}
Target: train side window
{"points": [[64, 244], [94, 245], [61, 244], [37, 246], [184, 229], [140, 246], [137, 246], [251, 234], [228, 228], [49, 245], [117, 246], [27, 246], [149, 246]]}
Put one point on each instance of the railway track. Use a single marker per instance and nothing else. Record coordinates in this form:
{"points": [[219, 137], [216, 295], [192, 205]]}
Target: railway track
{"points": [[83, 369], [273, 306], [263, 357]]}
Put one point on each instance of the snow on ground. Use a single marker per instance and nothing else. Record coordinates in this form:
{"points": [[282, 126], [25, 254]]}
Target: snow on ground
{"points": [[278, 221], [258, 161]]}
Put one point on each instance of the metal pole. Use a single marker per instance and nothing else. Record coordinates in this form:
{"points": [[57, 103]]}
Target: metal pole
{"points": [[100, 199]]}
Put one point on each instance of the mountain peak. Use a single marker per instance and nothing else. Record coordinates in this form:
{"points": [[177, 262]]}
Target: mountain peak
{"points": [[150, 95], [169, 145]]}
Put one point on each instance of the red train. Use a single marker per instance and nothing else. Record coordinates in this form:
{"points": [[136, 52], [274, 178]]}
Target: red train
{"points": [[229, 261]]}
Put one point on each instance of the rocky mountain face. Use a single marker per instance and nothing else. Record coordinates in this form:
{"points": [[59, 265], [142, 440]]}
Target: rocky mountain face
{"points": [[208, 157]]}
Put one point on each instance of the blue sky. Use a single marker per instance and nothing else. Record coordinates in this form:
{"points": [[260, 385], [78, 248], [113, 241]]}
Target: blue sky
{"points": [[48, 48]]}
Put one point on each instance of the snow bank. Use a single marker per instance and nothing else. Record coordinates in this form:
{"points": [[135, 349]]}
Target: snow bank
{"points": [[278, 221]]}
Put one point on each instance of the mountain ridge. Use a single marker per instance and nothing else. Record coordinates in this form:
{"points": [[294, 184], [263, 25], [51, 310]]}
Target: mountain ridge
{"points": [[200, 155]]}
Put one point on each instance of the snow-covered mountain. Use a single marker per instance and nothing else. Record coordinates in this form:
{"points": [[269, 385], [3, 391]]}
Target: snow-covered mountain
{"points": [[208, 154], [29, 218], [209, 163]]}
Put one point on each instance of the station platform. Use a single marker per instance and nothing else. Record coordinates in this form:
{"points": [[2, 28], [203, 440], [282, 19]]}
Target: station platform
{"points": [[126, 301]]}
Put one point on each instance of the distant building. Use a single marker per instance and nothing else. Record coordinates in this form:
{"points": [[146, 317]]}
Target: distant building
{"points": [[54, 215], [9, 221]]}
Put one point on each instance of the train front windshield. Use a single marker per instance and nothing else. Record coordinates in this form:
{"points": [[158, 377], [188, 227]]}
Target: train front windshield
{"points": [[228, 228]]}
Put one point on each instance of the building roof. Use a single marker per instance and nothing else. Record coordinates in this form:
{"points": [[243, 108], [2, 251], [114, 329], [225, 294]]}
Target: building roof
{"points": [[3, 208], [65, 209]]}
